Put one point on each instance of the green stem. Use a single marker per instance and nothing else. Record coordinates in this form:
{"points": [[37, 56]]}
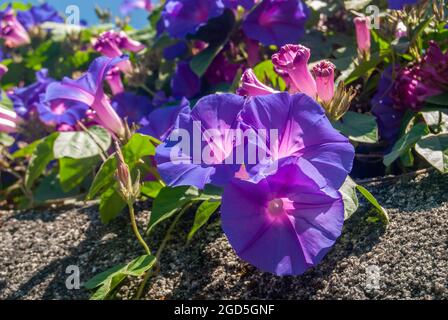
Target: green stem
{"points": [[160, 250], [135, 229]]}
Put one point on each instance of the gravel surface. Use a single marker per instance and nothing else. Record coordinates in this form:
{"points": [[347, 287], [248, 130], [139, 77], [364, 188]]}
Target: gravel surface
{"points": [[408, 260]]}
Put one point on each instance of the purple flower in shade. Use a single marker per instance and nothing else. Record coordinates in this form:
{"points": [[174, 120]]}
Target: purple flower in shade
{"points": [[303, 131], [185, 83], [37, 15], [277, 22], [129, 5], [435, 65], [175, 51], [182, 17], [58, 112], [11, 30], [362, 34], [286, 222], [204, 155], [88, 89], [324, 73], [293, 60], [111, 44], [113, 78], [399, 4], [221, 70], [8, 120], [233, 4], [26, 99], [131, 106], [251, 86], [160, 122]]}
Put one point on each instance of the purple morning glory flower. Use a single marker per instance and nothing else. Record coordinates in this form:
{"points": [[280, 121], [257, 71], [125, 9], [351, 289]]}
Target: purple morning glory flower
{"points": [[26, 99], [11, 30], [185, 83], [160, 122], [88, 89], [277, 22], [182, 17], [286, 222], [233, 4], [58, 112], [399, 4], [221, 70], [202, 157], [175, 51], [131, 106], [129, 5], [37, 15], [303, 131]]}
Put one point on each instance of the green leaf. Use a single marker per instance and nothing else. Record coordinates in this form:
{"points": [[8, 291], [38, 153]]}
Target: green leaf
{"points": [[210, 192], [49, 188], [364, 68], [27, 150], [72, 172], [405, 143], [139, 146], [6, 140], [151, 188], [348, 192], [356, 5], [109, 280], [265, 72], [80, 144], [441, 99], [111, 204], [358, 127], [200, 62], [203, 214], [434, 148], [169, 201], [369, 197], [40, 158]]}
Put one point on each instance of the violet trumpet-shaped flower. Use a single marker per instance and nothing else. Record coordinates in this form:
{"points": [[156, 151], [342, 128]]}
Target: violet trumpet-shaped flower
{"points": [[399, 4], [293, 59], [284, 223], [362, 34], [26, 99], [129, 5], [324, 73], [185, 83], [277, 22], [88, 89], [11, 30], [200, 149], [59, 112], [111, 44], [113, 78], [233, 4], [302, 130], [8, 120], [251, 86], [131, 106], [37, 15], [182, 17]]}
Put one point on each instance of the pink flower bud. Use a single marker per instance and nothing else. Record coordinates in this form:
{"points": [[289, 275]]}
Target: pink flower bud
{"points": [[294, 60], [362, 34], [11, 30], [251, 86], [324, 72]]}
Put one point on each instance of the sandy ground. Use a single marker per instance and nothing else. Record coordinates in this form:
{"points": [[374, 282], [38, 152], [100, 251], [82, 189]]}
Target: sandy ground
{"points": [[408, 260]]}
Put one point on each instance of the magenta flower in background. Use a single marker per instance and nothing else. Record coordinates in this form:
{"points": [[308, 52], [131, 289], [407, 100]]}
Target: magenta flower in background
{"points": [[324, 73], [205, 161], [88, 89], [435, 65], [182, 17], [160, 122], [293, 60], [221, 70], [303, 130], [58, 112], [131, 106], [111, 44], [8, 120], [37, 15], [233, 4], [11, 30], [251, 86], [26, 99], [277, 22], [176, 50], [362, 34], [129, 5], [399, 4], [286, 222], [185, 83]]}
